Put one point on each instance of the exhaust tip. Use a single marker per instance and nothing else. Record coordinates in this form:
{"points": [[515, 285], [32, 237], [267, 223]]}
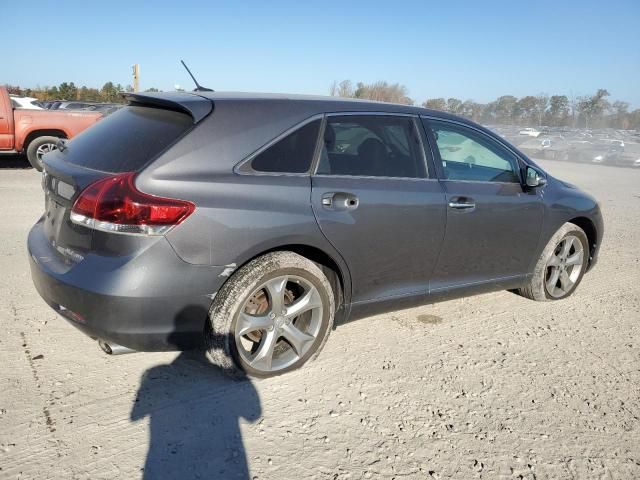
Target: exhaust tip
{"points": [[104, 346], [113, 348]]}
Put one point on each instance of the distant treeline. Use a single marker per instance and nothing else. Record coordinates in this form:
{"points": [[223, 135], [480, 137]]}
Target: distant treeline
{"points": [[591, 111], [109, 93]]}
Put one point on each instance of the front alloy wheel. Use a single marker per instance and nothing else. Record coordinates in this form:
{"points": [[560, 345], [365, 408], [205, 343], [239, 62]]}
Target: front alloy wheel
{"points": [[561, 265], [564, 267]]}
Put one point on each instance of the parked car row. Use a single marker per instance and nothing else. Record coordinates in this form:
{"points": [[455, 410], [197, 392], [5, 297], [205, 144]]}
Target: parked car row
{"points": [[31, 103], [605, 146], [105, 108]]}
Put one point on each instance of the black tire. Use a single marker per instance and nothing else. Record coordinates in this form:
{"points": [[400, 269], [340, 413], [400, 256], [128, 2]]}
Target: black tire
{"points": [[537, 288], [32, 150], [222, 349]]}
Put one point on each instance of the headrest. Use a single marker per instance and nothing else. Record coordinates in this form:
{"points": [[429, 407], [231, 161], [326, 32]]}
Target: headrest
{"points": [[329, 137], [372, 147]]}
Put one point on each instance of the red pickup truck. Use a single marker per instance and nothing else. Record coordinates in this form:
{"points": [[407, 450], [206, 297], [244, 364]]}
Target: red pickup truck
{"points": [[36, 132]]}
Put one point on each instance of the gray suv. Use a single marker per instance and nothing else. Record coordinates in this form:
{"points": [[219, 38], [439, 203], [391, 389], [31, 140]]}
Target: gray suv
{"points": [[250, 224]]}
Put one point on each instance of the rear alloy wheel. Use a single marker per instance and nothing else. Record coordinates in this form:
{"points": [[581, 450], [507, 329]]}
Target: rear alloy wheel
{"points": [[561, 266], [272, 316], [38, 148]]}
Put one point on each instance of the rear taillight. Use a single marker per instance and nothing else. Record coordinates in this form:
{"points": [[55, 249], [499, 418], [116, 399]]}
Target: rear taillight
{"points": [[114, 204]]}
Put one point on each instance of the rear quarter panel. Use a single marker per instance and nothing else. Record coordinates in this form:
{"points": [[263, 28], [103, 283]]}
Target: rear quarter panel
{"points": [[239, 217]]}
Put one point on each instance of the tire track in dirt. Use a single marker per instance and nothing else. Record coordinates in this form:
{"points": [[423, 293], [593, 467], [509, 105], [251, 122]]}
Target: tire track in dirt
{"points": [[49, 421]]}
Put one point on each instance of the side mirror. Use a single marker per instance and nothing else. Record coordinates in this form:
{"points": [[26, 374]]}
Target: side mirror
{"points": [[534, 178]]}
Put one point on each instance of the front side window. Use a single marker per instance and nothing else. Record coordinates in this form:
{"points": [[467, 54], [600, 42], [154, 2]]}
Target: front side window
{"points": [[372, 146], [292, 154], [470, 155]]}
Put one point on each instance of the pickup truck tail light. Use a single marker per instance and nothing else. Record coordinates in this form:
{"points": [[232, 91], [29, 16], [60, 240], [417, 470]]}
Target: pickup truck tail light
{"points": [[114, 204]]}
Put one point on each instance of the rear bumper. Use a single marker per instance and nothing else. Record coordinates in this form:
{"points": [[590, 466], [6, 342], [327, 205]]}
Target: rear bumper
{"points": [[152, 301]]}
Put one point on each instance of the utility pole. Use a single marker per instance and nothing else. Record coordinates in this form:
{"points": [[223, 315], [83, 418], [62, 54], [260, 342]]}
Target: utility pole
{"points": [[136, 77]]}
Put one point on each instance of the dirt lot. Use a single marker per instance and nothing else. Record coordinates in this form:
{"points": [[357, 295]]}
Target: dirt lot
{"points": [[493, 386]]}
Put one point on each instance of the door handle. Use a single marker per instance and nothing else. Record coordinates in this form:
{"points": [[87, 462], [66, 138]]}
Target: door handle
{"points": [[340, 201], [462, 203]]}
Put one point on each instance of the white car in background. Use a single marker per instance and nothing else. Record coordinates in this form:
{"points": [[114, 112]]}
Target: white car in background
{"points": [[532, 132], [25, 102]]}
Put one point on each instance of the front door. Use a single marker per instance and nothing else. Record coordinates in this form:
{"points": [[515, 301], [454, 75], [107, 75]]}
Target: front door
{"points": [[374, 201], [493, 223]]}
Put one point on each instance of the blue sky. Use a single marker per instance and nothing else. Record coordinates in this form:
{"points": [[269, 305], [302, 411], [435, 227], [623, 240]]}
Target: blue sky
{"points": [[472, 49]]}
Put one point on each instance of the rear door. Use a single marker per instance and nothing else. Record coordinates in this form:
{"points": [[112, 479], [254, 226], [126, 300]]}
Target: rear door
{"points": [[493, 223], [377, 204]]}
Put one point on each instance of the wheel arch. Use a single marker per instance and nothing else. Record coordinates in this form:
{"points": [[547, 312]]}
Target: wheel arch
{"points": [[31, 136], [590, 230], [337, 274]]}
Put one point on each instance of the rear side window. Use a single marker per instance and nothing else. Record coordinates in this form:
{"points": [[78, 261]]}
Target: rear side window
{"points": [[127, 140], [292, 154], [372, 146]]}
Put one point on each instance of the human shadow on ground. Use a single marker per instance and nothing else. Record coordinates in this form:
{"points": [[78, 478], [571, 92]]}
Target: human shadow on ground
{"points": [[194, 412]]}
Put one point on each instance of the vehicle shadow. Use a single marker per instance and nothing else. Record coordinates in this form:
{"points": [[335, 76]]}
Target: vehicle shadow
{"points": [[14, 162], [194, 411]]}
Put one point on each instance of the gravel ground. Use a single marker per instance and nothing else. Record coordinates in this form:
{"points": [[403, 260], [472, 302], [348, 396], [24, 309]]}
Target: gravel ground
{"points": [[493, 386]]}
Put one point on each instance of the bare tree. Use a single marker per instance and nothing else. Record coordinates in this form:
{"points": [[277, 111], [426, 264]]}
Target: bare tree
{"points": [[435, 104], [542, 104], [558, 109], [472, 110], [505, 108], [454, 105], [383, 92], [621, 112], [594, 106], [342, 89], [333, 89]]}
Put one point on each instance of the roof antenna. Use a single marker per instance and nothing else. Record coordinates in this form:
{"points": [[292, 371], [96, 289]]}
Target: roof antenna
{"points": [[199, 88]]}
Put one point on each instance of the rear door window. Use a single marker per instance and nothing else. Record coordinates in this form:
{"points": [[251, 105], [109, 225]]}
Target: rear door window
{"points": [[291, 154], [127, 140], [372, 146]]}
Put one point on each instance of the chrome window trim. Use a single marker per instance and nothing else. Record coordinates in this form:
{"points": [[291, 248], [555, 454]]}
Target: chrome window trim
{"points": [[243, 167], [416, 123], [416, 179], [479, 181], [372, 113], [517, 157]]}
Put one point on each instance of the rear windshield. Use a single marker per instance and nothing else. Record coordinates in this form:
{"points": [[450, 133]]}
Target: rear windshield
{"points": [[127, 140]]}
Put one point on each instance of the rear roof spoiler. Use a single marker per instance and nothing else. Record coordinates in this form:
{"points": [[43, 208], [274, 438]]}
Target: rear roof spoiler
{"points": [[195, 105]]}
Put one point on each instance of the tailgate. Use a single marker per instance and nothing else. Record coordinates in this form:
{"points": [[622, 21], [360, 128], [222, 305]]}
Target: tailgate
{"points": [[125, 141]]}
